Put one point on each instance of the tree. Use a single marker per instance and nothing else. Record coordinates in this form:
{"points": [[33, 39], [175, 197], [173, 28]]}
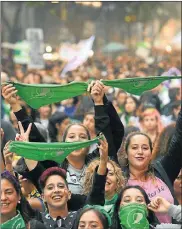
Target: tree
{"points": [[13, 26]]}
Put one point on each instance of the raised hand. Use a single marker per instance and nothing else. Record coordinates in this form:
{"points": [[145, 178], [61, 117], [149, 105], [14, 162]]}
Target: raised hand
{"points": [[8, 156], [97, 92], [9, 94], [26, 186], [159, 204], [103, 150], [24, 135]]}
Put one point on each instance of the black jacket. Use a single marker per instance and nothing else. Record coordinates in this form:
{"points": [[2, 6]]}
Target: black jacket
{"points": [[106, 121]]}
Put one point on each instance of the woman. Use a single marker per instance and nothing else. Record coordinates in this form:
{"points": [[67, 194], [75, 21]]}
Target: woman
{"points": [[114, 182], [93, 217], [157, 177], [76, 163], [128, 117], [151, 124], [131, 212], [15, 210]]}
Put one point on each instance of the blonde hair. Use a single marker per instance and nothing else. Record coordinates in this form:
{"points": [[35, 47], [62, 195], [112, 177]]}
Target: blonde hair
{"points": [[89, 175]]}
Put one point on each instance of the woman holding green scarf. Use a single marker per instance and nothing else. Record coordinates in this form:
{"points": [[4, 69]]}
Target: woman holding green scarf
{"points": [[131, 211], [15, 210], [105, 116], [114, 182]]}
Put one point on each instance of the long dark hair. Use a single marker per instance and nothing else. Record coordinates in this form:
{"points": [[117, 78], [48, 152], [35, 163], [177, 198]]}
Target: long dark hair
{"points": [[115, 219], [23, 207], [101, 216]]}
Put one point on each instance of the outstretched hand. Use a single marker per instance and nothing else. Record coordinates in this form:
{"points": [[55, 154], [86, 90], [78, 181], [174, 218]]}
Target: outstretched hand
{"points": [[24, 135], [159, 204]]}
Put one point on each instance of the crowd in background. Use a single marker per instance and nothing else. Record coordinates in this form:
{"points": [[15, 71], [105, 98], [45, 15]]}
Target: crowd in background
{"points": [[92, 178]]}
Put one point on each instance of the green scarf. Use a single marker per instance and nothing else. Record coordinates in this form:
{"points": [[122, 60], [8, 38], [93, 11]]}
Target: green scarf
{"points": [[134, 216], [48, 151], [109, 205], [16, 222], [37, 95]]}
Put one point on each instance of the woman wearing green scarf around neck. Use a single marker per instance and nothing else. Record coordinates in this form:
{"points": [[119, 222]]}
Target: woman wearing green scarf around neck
{"points": [[130, 211], [114, 182], [15, 210]]}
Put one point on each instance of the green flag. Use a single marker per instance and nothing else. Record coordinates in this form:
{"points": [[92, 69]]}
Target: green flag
{"points": [[37, 95], [137, 86], [48, 151]]}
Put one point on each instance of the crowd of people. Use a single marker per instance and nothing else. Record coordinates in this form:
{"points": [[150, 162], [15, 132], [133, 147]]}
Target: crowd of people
{"points": [[130, 180]]}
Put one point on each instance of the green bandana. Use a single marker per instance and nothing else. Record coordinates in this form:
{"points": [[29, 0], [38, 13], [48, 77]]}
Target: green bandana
{"points": [[137, 85], [100, 209], [48, 151], [37, 95], [109, 205], [16, 222], [133, 216]]}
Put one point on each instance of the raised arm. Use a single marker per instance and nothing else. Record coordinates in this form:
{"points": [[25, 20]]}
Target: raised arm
{"points": [[172, 161], [117, 127], [9, 94], [97, 194], [102, 120]]}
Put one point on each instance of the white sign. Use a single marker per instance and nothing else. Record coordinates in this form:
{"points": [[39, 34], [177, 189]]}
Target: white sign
{"points": [[35, 38]]}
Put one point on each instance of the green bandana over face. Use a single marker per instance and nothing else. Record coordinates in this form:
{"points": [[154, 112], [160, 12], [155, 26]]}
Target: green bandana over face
{"points": [[37, 95], [133, 216], [16, 222], [48, 151]]}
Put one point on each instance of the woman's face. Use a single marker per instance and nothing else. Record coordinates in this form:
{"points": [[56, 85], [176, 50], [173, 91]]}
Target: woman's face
{"points": [[90, 220], [89, 122], [131, 196], [130, 105], [139, 152], [111, 181], [150, 122], [56, 193], [121, 98], [9, 198], [45, 112], [77, 133]]}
